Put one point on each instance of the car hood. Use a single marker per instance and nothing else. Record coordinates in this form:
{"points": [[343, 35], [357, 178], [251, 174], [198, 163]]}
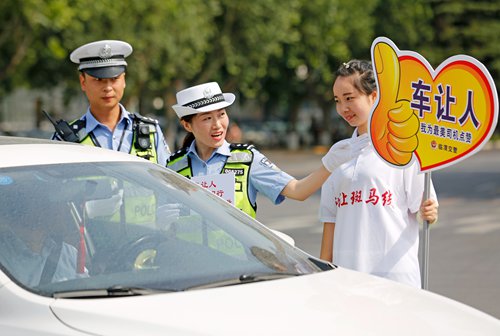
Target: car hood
{"points": [[339, 302]]}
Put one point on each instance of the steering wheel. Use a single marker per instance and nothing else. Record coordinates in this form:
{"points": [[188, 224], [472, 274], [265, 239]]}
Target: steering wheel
{"points": [[137, 254]]}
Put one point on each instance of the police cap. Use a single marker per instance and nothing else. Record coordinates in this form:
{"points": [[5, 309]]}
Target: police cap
{"points": [[102, 59]]}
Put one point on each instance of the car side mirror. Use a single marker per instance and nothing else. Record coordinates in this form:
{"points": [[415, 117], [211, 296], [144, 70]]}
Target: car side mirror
{"points": [[284, 236]]}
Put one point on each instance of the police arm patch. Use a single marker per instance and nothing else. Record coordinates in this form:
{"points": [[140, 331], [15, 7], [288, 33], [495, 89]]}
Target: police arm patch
{"points": [[265, 162]]}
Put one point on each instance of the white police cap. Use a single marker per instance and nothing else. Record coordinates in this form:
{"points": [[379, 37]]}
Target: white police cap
{"points": [[102, 59], [202, 98]]}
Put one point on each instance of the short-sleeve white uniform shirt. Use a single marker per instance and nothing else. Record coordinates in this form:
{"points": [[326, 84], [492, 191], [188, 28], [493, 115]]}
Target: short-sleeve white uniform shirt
{"points": [[374, 206]]}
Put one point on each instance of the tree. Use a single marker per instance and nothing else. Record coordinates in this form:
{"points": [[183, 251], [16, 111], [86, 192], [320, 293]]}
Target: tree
{"points": [[277, 53], [249, 34], [408, 23], [32, 42], [328, 33], [471, 28]]}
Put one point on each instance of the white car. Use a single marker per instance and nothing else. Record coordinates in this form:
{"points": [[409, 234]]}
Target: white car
{"points": [[94, 242]]}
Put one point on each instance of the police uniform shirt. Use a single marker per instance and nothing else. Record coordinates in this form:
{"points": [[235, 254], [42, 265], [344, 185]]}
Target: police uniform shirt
{"points": [[122, 136], [264, 176]]}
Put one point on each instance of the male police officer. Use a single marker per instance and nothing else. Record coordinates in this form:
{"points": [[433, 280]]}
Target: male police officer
{"points": [[107, 123]]}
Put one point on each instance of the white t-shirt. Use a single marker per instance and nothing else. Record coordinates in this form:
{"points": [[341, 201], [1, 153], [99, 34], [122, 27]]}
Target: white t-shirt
{"points": [[374, 206]]}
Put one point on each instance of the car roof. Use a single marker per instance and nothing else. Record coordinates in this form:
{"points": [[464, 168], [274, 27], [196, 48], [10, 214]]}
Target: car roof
{"points": [[19, 151], [14, 140]]}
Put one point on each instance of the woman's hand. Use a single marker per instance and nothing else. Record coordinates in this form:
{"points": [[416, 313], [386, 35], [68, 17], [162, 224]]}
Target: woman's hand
{"points": [[429, 211]]}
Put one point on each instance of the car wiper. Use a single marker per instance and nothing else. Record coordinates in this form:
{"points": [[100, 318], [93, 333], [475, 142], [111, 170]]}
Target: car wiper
{"points": [[245, 278], [322, 264], [109, 292]]}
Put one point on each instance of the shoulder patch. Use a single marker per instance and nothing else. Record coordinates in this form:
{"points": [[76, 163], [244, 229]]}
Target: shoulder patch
{"points": [[265, 162]]}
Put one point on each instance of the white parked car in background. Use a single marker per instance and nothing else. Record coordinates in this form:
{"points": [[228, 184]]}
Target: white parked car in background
{"points": [[94, 242]]}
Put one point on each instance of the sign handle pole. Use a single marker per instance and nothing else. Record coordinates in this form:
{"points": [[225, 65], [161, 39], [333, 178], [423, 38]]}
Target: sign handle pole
{"points": [[425, 259]]}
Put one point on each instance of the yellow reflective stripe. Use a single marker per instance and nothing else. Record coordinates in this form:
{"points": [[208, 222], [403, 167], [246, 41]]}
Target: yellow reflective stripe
{"points": [[240, 159], [138, 210], [216, 239], [151, 152], [242, 199], [179, 164]]}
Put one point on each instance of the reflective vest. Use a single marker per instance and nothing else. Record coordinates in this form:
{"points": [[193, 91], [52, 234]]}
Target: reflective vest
{"points": [[144, 129], [238, 163], [139, 204], [139, 208]]}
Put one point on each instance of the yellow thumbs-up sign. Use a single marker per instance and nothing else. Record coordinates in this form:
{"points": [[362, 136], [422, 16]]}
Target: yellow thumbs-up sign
{"points": [[435, 116], [395, 123]]}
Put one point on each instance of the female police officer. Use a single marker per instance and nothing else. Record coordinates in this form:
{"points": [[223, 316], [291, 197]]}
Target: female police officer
{"points": [[205, 151]]}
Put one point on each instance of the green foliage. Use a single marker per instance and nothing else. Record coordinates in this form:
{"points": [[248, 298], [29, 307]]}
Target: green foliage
{"points": [[406, 23], [287, 50], [326, 36], [468, 27], [249, 34]]}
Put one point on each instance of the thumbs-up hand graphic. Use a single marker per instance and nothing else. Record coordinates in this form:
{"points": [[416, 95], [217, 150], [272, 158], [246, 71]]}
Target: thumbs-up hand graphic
{"points": [[437, 116], [395, 123]]}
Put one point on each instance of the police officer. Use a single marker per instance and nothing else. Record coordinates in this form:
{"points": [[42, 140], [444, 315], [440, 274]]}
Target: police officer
{"points": [[107, 123], [202, 112]]}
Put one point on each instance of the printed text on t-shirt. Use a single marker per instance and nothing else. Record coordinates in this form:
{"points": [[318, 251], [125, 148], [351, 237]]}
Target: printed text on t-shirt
{"points": [[374, 197]]}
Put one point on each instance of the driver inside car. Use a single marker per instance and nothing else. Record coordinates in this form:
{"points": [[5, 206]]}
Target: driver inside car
{"points": [[33, 240]]}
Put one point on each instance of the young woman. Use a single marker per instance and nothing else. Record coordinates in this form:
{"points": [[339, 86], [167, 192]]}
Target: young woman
{"points": [[202, 113], [368, 208]]}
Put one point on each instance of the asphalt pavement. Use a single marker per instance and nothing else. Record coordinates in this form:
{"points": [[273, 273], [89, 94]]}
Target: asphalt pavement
{"points": [[464, 246]]}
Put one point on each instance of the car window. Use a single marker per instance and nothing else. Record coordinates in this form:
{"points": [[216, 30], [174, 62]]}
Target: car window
{"points": [[77, 227]]}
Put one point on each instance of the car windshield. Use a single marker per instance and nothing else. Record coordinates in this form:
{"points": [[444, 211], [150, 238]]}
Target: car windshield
{"points": [[74, 230]]}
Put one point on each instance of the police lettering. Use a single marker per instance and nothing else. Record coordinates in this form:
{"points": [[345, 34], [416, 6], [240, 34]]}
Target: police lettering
{"points": [[144, 210]]}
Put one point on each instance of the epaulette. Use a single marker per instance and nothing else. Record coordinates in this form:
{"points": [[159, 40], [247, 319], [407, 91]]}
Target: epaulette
{"points": [[181, 152], [240, 146], [144, 119]]}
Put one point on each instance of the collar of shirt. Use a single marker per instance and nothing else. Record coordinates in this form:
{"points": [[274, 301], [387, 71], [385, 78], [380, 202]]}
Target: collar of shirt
{"points": [[222, 150], [359, 142], [92, 123]]}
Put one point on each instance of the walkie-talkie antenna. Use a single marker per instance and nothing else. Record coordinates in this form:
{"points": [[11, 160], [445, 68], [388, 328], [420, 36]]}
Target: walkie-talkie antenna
{"points": [[63, 129]]}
